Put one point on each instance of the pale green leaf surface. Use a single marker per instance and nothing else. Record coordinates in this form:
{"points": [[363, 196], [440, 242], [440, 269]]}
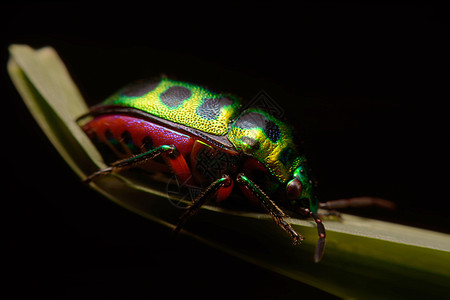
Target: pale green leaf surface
{"points": [[363, 259], [52, 97]]}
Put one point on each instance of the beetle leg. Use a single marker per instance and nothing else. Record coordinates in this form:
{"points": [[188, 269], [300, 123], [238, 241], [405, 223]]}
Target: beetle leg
{"points": [[320, 247], [214, 188], [132, 161], [277, 214], [330, 214], [357, 202]]}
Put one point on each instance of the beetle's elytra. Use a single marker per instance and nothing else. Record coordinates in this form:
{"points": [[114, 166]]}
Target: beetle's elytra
{"points": [[182, 122]]}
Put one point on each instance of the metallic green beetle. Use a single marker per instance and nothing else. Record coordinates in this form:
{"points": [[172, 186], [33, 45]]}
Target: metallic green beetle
{"points": [[208, 142]]}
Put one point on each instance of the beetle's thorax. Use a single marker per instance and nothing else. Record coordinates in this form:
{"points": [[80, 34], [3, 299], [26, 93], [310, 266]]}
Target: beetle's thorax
{"points": [[269, 140]]}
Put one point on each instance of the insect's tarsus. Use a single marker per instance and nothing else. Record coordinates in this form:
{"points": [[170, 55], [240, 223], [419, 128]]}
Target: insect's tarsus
{"points": [[320, 247], [201, 199], [358, 202], [277, 214], [131, 162]]}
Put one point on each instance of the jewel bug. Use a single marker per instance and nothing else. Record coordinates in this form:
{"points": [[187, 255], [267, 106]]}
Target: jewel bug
{"points": [[207, 140]]}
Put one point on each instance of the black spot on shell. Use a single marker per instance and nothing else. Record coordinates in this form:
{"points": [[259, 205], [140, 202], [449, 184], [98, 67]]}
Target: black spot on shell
{"points": [[254, 144], [251, 120], [126, 137], [286, 155], [211, 108], [128, 140], [147, 143], [175, 95], [272, 131], [109, 136], [114, 142], [140, 88], [257, 120]]}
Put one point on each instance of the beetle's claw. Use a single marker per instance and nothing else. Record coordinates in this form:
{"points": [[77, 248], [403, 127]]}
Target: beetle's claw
{"points": [[298, 239], [320, 247]]}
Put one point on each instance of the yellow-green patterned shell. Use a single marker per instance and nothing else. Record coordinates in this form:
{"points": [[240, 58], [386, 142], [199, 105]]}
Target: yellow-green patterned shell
{"points": [[180, 102], [253, 132], [269, 140]]}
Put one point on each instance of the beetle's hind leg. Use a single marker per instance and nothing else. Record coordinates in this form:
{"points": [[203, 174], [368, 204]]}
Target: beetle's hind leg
{"points": [[133, 161]]}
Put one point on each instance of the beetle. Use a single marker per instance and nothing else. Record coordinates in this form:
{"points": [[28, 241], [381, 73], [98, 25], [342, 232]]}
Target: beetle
{"points": [[207, 140]]}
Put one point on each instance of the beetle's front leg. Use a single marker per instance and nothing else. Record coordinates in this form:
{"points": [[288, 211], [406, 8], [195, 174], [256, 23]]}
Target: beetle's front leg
{"points": [[221, 188], [320, 247], [357, 202], [277, 214]]}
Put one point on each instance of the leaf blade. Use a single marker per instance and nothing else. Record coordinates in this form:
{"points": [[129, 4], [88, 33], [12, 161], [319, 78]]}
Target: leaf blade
{"points": [[51, 96], [361, 255]]}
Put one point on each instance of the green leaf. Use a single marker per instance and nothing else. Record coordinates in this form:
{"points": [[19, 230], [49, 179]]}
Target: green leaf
{"points": [[363, 259], [51, 96]]}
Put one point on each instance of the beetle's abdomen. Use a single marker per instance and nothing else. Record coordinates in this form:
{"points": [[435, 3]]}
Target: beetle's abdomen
{"points": [[180, 102], [119, 136]]}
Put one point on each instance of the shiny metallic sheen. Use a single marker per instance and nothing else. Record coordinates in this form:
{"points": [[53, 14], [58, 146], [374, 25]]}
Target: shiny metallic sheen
{"points": [[179, 102]]}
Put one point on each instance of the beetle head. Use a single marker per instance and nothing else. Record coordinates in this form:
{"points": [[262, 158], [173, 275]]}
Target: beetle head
{"points": [[300, 190], [302, 199]]}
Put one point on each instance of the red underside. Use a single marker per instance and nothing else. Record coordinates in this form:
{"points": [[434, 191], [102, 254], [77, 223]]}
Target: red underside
{"points": [[139, 129], [109, 130]]}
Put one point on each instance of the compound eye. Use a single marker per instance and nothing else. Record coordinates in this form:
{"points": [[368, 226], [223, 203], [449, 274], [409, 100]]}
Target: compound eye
{"points": [[294, 189]]}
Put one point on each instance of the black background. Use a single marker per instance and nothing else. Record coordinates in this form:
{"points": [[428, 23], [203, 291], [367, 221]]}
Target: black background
{"points": [[365, 86]]}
